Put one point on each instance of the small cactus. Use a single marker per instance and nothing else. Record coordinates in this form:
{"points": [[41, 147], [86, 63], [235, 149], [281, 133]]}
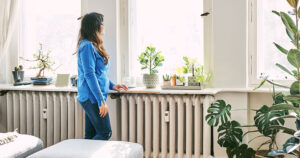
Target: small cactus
{"points": [[16, 68], [19, 68], [166, 77]]}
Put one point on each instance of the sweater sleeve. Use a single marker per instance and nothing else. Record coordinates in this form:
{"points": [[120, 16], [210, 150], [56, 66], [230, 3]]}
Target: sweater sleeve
{"points": [[111, 85], [88, 60]]}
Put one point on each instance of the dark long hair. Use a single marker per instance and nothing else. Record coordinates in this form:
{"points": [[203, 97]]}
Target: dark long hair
{"points": [[90, 27]]}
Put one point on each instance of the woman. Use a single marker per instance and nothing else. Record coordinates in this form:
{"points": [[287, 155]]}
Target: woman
{"points": [[93, 82]]}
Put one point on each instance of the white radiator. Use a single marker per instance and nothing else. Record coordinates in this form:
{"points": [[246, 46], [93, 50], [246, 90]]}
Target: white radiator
{"points": [[167, 125], [51, 116]]}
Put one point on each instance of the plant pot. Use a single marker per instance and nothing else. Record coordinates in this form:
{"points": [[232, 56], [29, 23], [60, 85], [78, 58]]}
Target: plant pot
{"points": [[264, 153], [192, 81], [167, 83], [150, 80], [18, 76], [41, 80]]}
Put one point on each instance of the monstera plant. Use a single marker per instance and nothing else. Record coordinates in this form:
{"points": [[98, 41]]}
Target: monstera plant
{"points": [[269, 120], [231, 133]]}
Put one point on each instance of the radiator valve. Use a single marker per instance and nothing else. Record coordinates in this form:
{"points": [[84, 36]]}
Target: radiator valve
{"points": [[44, 114], [167, 116]]}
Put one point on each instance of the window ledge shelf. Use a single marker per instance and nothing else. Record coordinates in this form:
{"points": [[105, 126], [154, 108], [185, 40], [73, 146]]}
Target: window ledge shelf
{"points": [[143, 90]]}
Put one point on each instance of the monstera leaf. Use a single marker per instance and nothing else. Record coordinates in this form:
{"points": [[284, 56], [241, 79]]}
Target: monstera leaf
{"points": [[218, 111], [278, 98], [242, 151], [262, 120], [230, 134]]}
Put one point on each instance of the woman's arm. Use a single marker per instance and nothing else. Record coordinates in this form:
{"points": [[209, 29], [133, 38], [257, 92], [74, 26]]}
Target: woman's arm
{"points": [[88, 61], [111, 85]]}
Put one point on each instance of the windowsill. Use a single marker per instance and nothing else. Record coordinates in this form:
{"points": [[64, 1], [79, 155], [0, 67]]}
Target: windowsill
{"points": [[143, 90]]}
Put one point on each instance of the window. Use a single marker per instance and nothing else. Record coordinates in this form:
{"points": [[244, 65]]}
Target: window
{"points": [[174, 27], [265, 28], [54, 24]]}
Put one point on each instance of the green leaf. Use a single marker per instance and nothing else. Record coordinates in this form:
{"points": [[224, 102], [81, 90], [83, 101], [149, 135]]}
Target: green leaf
{"points": [[278, 98], [276, 84], [230, 134], [289, 23], [242, 151], [284, 69], [282, 107], [291, 35], [284, 51], [294, 57], [262, 120], [295, 88], [293, 3], [290, 145], [276, 12], [261, 84], [293, 98], [154, 71], [284, 129], [186, 59], [218, 111]]}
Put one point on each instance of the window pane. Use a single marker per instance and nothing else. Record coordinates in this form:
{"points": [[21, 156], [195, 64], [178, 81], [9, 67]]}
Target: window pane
{"points": [[174, 27], [271, 29], [53, 23]]}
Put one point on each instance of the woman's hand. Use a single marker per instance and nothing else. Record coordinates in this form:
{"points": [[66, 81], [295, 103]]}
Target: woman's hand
{"points": [[118, 87], [103, 110]]}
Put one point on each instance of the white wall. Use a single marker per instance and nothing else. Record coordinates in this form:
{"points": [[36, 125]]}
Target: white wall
{"points": [[230, 43]]}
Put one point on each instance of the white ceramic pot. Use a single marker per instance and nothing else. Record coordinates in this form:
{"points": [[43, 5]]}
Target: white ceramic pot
{"points": [[150, 80], [167, 83]]}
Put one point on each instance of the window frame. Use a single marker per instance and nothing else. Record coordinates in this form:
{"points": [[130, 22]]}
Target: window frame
{"points": [[253, 81], [19, 33], [125, 23]]}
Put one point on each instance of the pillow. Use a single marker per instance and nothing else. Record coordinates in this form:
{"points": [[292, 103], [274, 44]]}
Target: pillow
{"points": [[8, 137]]}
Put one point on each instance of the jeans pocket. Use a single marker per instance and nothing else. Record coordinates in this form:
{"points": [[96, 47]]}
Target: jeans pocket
{"points": [[85, 103]]}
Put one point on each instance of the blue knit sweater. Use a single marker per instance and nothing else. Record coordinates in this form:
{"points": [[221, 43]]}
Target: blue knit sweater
{"points": [[93, 82]]}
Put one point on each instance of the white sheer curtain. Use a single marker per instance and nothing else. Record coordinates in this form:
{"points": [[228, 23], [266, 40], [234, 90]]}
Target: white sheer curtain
{"points": [[8, 15]]}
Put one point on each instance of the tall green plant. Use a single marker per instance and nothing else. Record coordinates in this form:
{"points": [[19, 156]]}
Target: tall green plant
{"points": [[151, 59], [289, 106], [231, 134]]}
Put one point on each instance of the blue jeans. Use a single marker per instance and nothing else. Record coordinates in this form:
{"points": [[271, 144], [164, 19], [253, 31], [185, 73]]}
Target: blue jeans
{"points": [[96, 127]]}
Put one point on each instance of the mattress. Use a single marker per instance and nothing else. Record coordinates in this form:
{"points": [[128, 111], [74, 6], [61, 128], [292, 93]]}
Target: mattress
{"points": [[83, 148]]}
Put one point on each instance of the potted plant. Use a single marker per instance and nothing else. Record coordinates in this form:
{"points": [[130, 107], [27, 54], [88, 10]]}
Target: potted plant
{"points": [[151, 59], [272, 118], [180, 78], [291, 101], [198, 76], [43, 62], [202, 77], [167, 80], [231, 134], [18, 74]]}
